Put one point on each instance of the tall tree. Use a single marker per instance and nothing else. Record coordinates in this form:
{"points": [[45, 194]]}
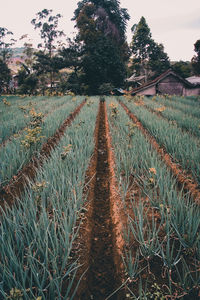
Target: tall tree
{"points": [[158, 59], [5, 43], [101, 28], [28, 55], [71, 55], [27, 82], [27, 79], [196, 58], [49, 33], [141, 41], [149, 58], [5, 54], [5, 76], [71, 58]]}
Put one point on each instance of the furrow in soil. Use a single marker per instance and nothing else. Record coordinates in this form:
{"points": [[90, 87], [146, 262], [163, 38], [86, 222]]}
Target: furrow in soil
{"points": [[102, 277]]}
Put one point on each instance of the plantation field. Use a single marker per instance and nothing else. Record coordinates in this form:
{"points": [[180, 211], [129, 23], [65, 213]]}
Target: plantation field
{"points": [[99, 197]]}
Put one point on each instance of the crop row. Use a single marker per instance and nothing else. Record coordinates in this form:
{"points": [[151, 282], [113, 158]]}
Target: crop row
{"points": [[186, 105], [175, 116], [16, 115], [20, 149], [182, 146], [163, 223], [37, 234]]}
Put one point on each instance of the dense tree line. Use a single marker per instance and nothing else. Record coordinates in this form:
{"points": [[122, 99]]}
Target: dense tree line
{"points": [[95, 60]]}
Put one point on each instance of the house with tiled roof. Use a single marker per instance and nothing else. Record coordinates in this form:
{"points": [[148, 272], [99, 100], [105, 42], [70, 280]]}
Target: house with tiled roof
{"points": [[168, 83]]}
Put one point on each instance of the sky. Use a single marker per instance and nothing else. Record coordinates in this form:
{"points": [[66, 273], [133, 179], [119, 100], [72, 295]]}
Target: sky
{"points": [[174, 23]]}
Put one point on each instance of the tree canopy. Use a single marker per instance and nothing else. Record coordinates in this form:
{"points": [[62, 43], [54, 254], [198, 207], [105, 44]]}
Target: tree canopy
{"points": [[101, 31], [183, 68], [149, 58], [47, 63], [6, 43], [196, 58], [5, 76]]}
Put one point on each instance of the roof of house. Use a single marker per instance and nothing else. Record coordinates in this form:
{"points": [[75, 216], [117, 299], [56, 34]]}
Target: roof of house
{"points": [[194, 79], [134, 78], [161, 77]]}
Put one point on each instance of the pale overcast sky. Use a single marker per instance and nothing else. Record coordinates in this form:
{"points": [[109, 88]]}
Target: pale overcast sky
{"points": [[175, 23]]}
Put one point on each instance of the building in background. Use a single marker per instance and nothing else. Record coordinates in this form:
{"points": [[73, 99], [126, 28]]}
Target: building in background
{"points": [[169, 83]]}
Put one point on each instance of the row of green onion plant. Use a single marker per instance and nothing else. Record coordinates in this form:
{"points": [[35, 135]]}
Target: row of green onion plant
{"points": [[20, 149], [38, 232], [182, 146], [163, 222], [188, 100], [175, 116], [16, 117], [183, 104], [10, 105]]}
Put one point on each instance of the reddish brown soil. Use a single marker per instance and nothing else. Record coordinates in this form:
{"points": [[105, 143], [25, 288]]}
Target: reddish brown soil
{"points": [[118, 215], [185, 179], [101, 230], [18, 183]]}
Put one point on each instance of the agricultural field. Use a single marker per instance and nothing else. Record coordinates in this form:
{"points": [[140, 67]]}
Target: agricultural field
{"points": [[99, 198]]}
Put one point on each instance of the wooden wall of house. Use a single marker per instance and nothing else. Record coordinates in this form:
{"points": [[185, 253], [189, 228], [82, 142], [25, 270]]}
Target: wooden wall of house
{"points": [[151, 91], [191, 92], [170, 85]]}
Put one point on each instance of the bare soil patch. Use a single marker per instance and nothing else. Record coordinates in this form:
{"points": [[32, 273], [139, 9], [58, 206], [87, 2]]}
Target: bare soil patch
{"points": [[100, 239]]}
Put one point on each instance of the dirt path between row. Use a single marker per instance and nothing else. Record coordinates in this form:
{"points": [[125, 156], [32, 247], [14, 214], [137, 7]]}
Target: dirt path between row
{"points": [[184, 179], [101, 232], [18, 183]]}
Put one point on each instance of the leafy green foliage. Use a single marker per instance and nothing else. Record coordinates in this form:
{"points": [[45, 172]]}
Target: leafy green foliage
{"points": [[149, 58], [5, 51], [5, 76], [46, 61], [105, 88], [184, 69], [101, 29], [27, 82], [196, 58], [48, 28]]}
